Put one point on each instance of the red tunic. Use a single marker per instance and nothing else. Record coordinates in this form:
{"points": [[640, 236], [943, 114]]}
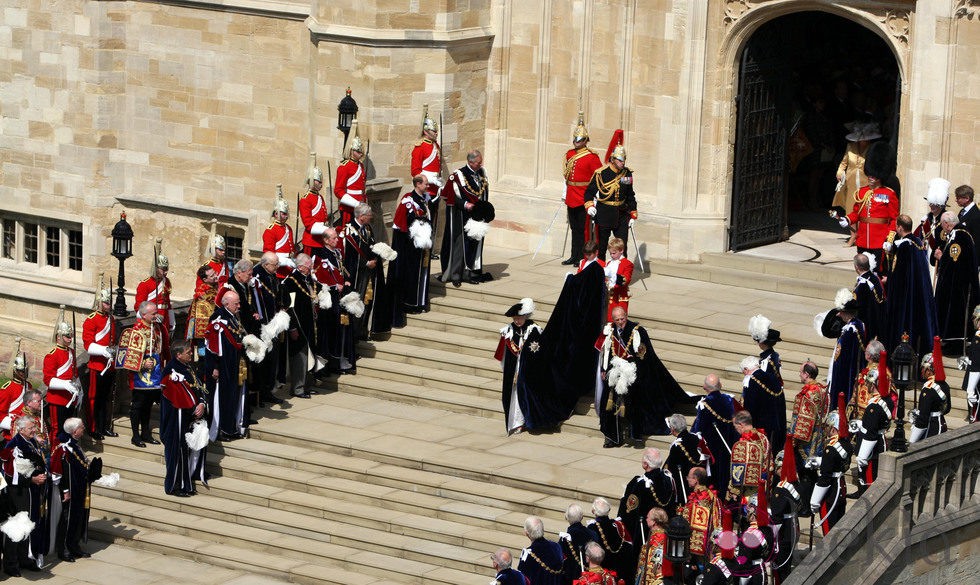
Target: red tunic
{"points": [[60, 364], [874, 215], [351, 179], [580, 165], [99, 329], [156, 292], [426, 160], [11, 404], [583, 263], [619, 294], [312, 210], [278, 238]]}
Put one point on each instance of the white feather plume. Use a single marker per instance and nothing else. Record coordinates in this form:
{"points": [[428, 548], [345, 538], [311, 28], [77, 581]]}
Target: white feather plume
{"points": [[759, 327], [324, 299], [255, 348], [527, 306], [197, 437], [351, 302], [18, 527], [818, 320], [421, 234], [386, 252], [872, 262], [843, 295], [23, 466], [107, 481], [476, 229], [621, 375], [277, 325]]}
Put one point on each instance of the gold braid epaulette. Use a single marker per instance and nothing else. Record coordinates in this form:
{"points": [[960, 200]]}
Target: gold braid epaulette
{"points": [[607, 189], [717, 416], [543, 565], [605, 543], [766, 388]]}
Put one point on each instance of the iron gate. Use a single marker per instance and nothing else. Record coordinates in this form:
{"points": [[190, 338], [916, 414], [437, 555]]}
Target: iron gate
{"points": [[759, 189]]}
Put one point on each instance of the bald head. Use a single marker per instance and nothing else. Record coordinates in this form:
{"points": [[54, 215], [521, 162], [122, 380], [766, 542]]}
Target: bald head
{"points": [[712, 383]]}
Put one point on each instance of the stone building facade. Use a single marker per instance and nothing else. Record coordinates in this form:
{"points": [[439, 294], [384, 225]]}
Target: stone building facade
{"points": [[184, 112]]}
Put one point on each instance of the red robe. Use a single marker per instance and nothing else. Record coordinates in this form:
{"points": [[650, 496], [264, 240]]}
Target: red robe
{"points": [[159, 293], [351, 179], [312, 210], [278, 238], [11, 404]]}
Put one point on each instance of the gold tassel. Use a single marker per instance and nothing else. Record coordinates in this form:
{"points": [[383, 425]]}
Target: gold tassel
{"points": [[345, 319], [609, 403], [621, 409], [369, 292], [242, 371]]}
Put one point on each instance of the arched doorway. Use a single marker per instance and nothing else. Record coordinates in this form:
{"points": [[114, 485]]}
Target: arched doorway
{"points": [[804, 79]]}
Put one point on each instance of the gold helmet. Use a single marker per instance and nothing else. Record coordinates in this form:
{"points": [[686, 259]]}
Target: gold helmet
{"points": [[19, 363], [354, 143], [619, 153], [102, 294], [581, 133], [427, 122], [62, 327], [281, 205], [313, 173], [160, 260]]}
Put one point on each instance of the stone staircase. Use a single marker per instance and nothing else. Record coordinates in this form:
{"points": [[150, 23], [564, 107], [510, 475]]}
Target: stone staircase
{"points": [[404, 473]]}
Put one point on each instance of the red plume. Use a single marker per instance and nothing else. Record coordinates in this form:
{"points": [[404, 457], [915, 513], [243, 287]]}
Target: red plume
{"points": [[842, 430], [883, 374], [617, 139], [762, 508], [788, 471], [937, 359]]}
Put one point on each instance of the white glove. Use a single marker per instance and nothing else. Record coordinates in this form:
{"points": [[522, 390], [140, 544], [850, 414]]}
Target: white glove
{"points": [[59, 384], [318, 228], [843, 222], [98, 350], [591, 211], [862, 462], [632, 221], [887, 246], [285, 260], [562, 197], [349, 201]]}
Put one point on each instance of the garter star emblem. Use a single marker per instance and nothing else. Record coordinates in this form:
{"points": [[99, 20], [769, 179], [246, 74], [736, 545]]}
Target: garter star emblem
{"points": [[534, 346]]}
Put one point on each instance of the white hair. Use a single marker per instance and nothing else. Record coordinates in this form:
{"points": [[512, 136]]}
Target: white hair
{"points": [[243, 265], [534, 527], [750, 363], [574, 513], [677, 423], [594, 552], [653, 458], [600, 507], [72, 424]]}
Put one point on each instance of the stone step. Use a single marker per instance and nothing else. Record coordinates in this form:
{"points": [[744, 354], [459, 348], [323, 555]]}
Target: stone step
{"points": [[290, 535], [347, 501], [746, 279], [451, 341], [426, 359], [273, 568], [432, 375], [319, 469], [835, 273]]}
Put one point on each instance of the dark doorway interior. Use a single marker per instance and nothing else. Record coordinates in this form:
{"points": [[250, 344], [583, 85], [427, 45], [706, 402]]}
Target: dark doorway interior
{"points": [[804, 79]]}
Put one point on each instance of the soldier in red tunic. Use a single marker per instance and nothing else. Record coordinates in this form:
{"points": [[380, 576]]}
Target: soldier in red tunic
{"points": [[12, 393], [313, 212], [427, 160], [99, 339], [278, 237], [156, 289], [580, 164], [351, 179], [216, 249], [876, 207], [61, 377]]}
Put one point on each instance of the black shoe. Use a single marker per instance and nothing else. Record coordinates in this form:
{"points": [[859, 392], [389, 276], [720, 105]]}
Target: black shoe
{"points": [[150, 440], [138, 442], [568, 262], [303, 395], [13, 572], [609, 443], [269, 398], [457, 283], [485, 277], [348, 372], [30, 566], [96, 436], [80, 554], [110, 433], [67, 557], [182, 494]]}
